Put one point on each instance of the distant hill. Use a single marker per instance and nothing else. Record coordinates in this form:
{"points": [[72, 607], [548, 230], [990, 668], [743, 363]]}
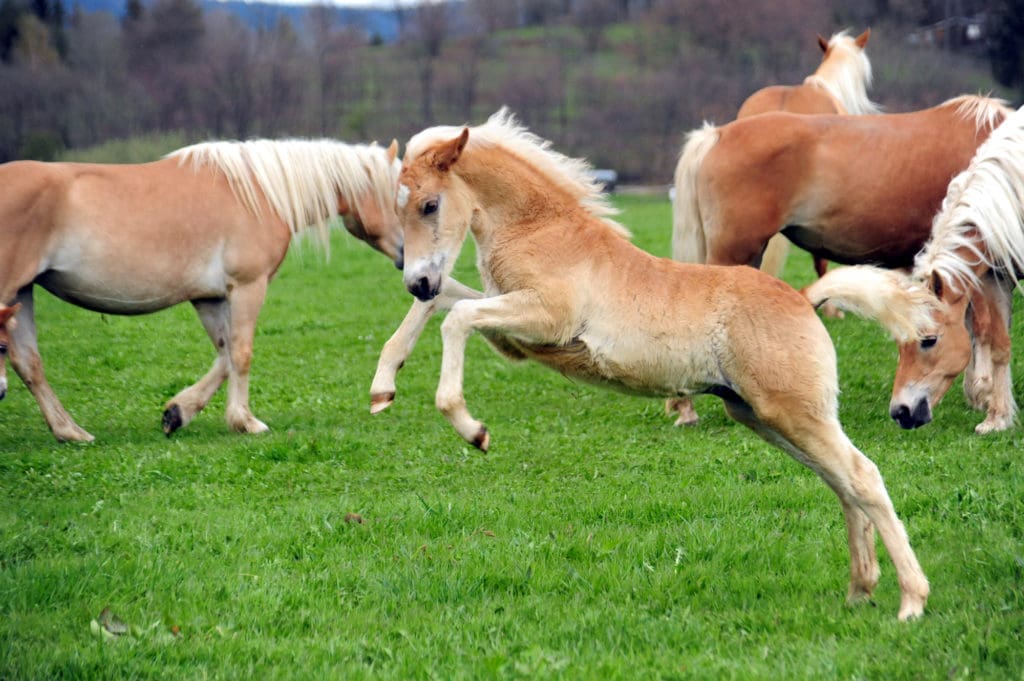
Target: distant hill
{"points": [[380, 22]]}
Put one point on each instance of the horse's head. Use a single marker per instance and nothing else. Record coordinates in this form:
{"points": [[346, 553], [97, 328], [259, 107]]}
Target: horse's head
{"points": [[6, 325], [371, 215], [928, 366], [434, 208]]}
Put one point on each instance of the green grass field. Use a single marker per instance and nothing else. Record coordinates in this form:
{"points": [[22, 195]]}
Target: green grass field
{"points": [[593, 541]]}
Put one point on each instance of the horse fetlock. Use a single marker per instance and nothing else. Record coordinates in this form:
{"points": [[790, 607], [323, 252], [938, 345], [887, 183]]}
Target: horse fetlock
{"points": [[242, 421], [993, 423], [381, 401], [683, 407], [71, 433]]}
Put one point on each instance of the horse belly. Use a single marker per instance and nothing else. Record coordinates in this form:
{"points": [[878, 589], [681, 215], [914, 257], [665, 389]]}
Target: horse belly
{"points": [[643, 370], [120, 282]]}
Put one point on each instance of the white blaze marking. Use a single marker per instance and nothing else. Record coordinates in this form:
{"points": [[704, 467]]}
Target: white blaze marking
{"points": [[403, 195]]}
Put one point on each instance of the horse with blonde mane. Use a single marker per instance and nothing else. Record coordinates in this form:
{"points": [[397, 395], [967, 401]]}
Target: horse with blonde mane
{"points": [[851, 189], [209, 224], [968, 269], [565, 287], [838, 86]]}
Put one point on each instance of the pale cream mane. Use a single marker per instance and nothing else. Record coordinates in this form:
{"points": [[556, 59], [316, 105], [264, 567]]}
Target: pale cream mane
{"points": [[300, 179], [987, 112], [846, 75], [504, 131], [982, 216]]}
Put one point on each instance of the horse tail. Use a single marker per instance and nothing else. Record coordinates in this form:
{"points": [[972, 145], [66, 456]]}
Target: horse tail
{"points": [[903, 308], [688, 239]]}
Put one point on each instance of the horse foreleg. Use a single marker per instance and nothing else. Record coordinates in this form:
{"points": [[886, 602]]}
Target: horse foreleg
{"points": [[994, 339], [24, 355], [245, 302], [183, 407], [398, 348], [510, 313]]}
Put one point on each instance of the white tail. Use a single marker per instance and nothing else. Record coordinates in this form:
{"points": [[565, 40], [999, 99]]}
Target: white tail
{"points": [[688, 242], [903, 307]]}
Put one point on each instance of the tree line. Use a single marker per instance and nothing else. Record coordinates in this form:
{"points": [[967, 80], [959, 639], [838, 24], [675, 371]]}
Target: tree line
{"points": [[617, 81]]}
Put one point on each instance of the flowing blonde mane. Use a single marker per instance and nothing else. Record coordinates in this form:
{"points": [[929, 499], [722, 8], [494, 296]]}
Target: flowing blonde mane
{"points": [[300, 179], [504, 131], [982, 216], [846, 75], [987, 112]]}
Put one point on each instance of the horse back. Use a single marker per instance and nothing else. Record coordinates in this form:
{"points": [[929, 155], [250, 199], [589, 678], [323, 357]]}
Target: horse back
{"points": [[805, 99]]}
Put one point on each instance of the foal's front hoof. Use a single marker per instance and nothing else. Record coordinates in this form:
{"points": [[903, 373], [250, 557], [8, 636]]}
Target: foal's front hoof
{"points": [[482, 440], [172, 419], [381, 401]]}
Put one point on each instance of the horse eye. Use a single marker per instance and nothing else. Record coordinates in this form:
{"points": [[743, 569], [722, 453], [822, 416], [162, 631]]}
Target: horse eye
{"points": [[429, 207], [3, 348], [929, 342]]}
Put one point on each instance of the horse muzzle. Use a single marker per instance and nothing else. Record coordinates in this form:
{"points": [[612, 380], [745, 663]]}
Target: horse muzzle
{"points": [[424, 287], [400, 258], [909, 418]]}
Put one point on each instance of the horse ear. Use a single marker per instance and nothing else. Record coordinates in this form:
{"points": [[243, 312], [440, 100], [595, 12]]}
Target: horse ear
{"points": [[862, 39], [937, 285], [448, 152], [822, 43], [393, 151]]}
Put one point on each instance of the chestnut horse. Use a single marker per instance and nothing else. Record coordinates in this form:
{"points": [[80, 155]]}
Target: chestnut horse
{"points": [[853, 189], [209, 224], [565, 286], [970, 266], [838, 86]]}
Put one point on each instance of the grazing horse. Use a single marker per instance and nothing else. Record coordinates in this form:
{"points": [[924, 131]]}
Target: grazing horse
{"points": [[209, 224], [838, 86], [852, 189], [6, 324], [969, 266], [565, 286]]}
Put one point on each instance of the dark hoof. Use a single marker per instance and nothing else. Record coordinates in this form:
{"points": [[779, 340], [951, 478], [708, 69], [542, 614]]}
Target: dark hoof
{"points": [[482, 440], [380, 402], [172, 419]]}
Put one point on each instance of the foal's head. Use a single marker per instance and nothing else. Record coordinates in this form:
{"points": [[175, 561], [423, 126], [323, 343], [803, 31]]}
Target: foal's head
{"points": [[434, 210], [371, 216], [927, 367], [6, 325]]}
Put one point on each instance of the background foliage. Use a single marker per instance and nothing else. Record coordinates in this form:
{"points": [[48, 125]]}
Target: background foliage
{"points": [[616, 81]]}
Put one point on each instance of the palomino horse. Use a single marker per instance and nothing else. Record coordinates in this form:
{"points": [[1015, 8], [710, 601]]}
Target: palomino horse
{"points": [[565, 286], [6, 324], [853, 189], [970, 264], [839, 85], [209, 224]]}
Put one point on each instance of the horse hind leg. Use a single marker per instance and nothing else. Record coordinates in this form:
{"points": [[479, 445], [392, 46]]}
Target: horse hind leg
{"points": [[818, 442], [183, 407], [24, 356]]}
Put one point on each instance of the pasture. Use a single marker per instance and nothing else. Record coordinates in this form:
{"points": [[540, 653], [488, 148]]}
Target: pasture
{"points": [[593, 541]]}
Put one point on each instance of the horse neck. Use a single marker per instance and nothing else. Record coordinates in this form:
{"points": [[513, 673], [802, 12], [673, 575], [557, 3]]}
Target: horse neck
{"points": [[842, 76], [489, 179]]}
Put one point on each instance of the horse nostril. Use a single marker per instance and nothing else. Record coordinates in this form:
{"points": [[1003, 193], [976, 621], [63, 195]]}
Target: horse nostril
{"points": [[422, 289], [900, 414]]}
